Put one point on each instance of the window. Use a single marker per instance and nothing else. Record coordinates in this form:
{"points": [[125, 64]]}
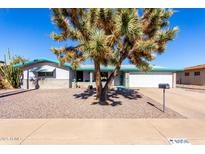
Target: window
{"points": [[104, 76], [196, 73], [79, 76], [87, 76], [45, 74], [186, 74]]}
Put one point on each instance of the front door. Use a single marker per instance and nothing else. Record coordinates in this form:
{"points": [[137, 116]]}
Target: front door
{"points": [[79, 76], [119, 79]]}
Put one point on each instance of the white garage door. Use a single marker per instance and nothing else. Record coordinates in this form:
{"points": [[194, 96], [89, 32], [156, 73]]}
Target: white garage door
{"points": [[152, 79]]}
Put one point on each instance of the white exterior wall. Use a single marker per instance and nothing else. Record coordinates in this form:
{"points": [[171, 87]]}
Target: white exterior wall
{"points": [[59, 73], [31, 74], [62, 73], [149, 79], [60, 79]]}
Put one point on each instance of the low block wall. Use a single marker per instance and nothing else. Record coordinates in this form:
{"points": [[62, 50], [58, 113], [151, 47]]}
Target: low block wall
{"points": [[86, 84], [47, 84], [82, 84]]}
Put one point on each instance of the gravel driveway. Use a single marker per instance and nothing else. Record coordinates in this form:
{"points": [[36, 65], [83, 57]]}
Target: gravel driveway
{"points": [[79, 103]]}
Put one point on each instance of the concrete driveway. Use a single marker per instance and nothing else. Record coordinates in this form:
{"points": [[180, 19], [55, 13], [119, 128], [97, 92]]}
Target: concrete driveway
{"points": [[189, 103]]}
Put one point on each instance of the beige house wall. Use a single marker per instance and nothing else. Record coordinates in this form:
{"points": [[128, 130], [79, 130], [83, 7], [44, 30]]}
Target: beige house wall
{"points": [[173, 80], [191, 79]]}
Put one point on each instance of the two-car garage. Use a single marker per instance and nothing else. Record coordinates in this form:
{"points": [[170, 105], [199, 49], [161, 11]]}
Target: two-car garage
{"points": [[150, 79]]}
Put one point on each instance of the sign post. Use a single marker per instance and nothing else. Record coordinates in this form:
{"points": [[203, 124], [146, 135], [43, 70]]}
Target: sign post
{"points": [[164, 86], [163, 100]]}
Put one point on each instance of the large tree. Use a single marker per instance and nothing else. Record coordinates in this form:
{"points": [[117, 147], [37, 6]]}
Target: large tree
{"points": [[109, 36]]}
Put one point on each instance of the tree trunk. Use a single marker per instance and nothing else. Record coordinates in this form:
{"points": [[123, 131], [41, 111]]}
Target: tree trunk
{"points": [[110, 84], [103, 96], [105, 89], [98, 80]]}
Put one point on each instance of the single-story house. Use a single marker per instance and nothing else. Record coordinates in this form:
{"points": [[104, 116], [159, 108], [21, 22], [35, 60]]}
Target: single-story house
{"points": [[194, 75], [46, 73], [1, 62]]}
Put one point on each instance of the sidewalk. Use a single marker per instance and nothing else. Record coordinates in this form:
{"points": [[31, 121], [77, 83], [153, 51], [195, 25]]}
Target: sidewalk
{"points": [[195, 87], [100, 131]]}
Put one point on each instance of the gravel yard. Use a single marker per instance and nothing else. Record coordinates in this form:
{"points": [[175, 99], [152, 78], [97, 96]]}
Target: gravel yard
{"points": [[79, 103]]}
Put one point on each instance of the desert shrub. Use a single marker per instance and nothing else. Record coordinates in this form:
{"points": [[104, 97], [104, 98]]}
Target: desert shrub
{"points": [[11, 76]]}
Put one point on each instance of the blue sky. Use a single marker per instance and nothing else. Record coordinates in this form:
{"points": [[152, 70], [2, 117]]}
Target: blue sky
{"points": [[26, 33]]}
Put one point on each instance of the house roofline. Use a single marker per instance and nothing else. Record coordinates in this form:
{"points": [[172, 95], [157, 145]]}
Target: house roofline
{"points": [[30, 62], [90, 68], [130, 69], [195, 67]]}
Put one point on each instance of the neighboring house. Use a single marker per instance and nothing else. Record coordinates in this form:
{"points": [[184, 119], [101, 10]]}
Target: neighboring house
{"points": [[45, 73], [1, 63], [194, 75]]}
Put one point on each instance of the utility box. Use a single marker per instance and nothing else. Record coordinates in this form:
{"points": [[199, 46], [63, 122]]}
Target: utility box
{"points": [[164, 86]]}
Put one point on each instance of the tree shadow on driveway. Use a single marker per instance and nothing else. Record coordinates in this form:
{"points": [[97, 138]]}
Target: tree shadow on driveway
{"points": [[115, 97], [15, 92], [86, 94]]}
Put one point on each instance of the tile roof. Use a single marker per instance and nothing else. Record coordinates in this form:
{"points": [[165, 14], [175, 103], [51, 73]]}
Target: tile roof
{"points": [[202, 66]]}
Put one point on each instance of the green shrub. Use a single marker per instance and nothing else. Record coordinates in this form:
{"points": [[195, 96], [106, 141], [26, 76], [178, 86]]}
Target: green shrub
{"points": [[9, 73]]}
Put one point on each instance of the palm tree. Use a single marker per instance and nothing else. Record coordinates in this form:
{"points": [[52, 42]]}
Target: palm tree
{"points": [[109, 36]]}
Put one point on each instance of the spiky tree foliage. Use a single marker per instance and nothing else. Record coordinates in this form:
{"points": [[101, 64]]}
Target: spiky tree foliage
{"points": [[18, 59], [109, 36]]}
